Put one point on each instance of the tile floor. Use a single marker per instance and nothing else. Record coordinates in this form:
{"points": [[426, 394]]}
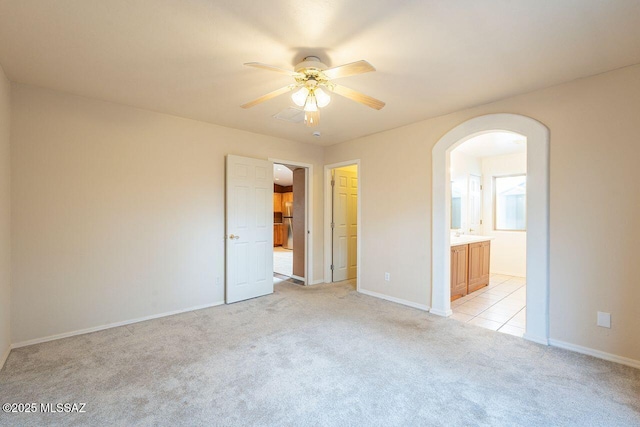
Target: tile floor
{"points": [[501, 306], [279, 278], [282, 261]]}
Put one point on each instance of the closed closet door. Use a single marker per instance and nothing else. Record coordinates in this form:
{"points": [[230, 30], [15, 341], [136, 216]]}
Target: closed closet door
{"points": [[345, 225]]}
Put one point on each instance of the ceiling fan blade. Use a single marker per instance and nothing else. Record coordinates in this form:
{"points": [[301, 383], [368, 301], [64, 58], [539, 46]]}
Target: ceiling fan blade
{"points": [[273, 68], [267, 97], [358, 67], [358, 97]]}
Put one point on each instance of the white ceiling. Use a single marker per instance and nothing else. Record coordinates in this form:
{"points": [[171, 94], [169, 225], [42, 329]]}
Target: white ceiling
{"points": [[184, 57], [494, 144], [282, 175]]}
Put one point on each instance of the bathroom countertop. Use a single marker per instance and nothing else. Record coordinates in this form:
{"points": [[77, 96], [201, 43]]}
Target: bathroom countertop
{"points": [[465, 239]]}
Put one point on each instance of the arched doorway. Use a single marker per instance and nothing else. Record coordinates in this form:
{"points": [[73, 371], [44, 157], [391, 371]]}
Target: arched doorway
{"points": [[537, 323]]}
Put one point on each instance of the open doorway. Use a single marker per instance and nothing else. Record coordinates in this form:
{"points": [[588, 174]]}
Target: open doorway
{"points": [[342, 240], [537, 215], [488, 231], [290, 222]]}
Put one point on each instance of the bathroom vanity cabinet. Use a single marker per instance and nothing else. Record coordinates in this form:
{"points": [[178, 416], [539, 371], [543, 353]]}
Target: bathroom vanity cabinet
{"points": [[469, 265]]}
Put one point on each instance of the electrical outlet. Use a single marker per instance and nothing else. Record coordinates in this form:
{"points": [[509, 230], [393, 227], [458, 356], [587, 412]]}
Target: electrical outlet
{"points": [[604, 319], [387, 276]]}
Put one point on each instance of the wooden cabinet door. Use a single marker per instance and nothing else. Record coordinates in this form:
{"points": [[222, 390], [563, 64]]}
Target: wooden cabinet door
{"points": [[277, 202], [275, 235], [278, 235], [475, 261], [485, 267], [478, 265], [459, 264]]}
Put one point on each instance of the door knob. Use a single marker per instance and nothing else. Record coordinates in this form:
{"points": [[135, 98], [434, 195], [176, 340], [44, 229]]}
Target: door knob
{"points": [[234, 237]]}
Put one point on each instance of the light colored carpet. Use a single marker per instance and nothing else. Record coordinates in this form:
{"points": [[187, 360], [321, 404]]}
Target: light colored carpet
{"points": [[315, 356]]}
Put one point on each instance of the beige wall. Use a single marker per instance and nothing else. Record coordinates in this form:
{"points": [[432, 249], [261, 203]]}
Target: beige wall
{"points": [[118, 213], [5, 216], [594, 208]]}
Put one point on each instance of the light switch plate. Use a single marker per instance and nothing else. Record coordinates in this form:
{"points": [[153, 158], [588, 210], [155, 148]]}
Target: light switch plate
{"points": [[604, 319]]}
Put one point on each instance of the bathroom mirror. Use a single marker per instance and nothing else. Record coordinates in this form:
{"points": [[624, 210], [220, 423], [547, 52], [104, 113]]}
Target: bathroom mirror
{"points": [[456, 207]]}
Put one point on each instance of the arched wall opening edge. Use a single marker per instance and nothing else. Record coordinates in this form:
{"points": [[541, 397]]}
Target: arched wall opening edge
{"points": [[537, 323]]}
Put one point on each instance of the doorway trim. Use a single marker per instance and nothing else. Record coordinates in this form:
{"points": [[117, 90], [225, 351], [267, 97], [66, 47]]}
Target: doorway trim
{"points": [[308, 220], [537, 134], [328, 204]]}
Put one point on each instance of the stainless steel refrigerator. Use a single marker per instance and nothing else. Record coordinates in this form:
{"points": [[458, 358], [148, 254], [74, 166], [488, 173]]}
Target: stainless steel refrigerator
{"points": [[287, 221]]}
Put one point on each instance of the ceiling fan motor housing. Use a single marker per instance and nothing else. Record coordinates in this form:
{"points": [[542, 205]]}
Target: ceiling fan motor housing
{"points": [[310, 63]]}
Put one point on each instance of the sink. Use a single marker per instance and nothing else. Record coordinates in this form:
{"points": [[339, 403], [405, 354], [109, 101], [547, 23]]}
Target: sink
{"points": [[465, 239]]}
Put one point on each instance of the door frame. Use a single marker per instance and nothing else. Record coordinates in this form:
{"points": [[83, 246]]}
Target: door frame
{"points": [[537, 134], [328, 206], [308, 220]]}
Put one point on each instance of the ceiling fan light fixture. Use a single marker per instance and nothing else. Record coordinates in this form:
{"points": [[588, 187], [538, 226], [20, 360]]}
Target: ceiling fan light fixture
{"points": [[300, 97], [312, 118], [309, 75], [311, 105], [321, 97]]}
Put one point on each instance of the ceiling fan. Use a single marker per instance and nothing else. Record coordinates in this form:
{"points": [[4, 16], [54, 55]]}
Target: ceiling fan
{"points": [[311, 76]]}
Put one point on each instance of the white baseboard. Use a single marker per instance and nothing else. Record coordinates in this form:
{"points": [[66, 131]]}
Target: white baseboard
{"points": [[595, 353], [443, 313], [110, 325], [317, 282], [5, 355], [396, 300], [293, 276], [539, 340], [507, 273]]}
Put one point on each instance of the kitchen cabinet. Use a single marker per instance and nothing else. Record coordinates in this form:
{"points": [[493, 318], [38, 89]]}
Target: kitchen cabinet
{"points": [[459, 271], [479, 265], [278, 235], [469, 267], [277, 202]]}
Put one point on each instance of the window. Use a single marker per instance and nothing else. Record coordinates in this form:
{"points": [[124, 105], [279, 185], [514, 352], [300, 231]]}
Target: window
{"points": [[510, 207]]}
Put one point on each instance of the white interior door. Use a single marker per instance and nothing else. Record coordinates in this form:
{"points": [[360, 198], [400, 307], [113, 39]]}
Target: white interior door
{"points": [[345, 225], [249, 228], [475, 204]]}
